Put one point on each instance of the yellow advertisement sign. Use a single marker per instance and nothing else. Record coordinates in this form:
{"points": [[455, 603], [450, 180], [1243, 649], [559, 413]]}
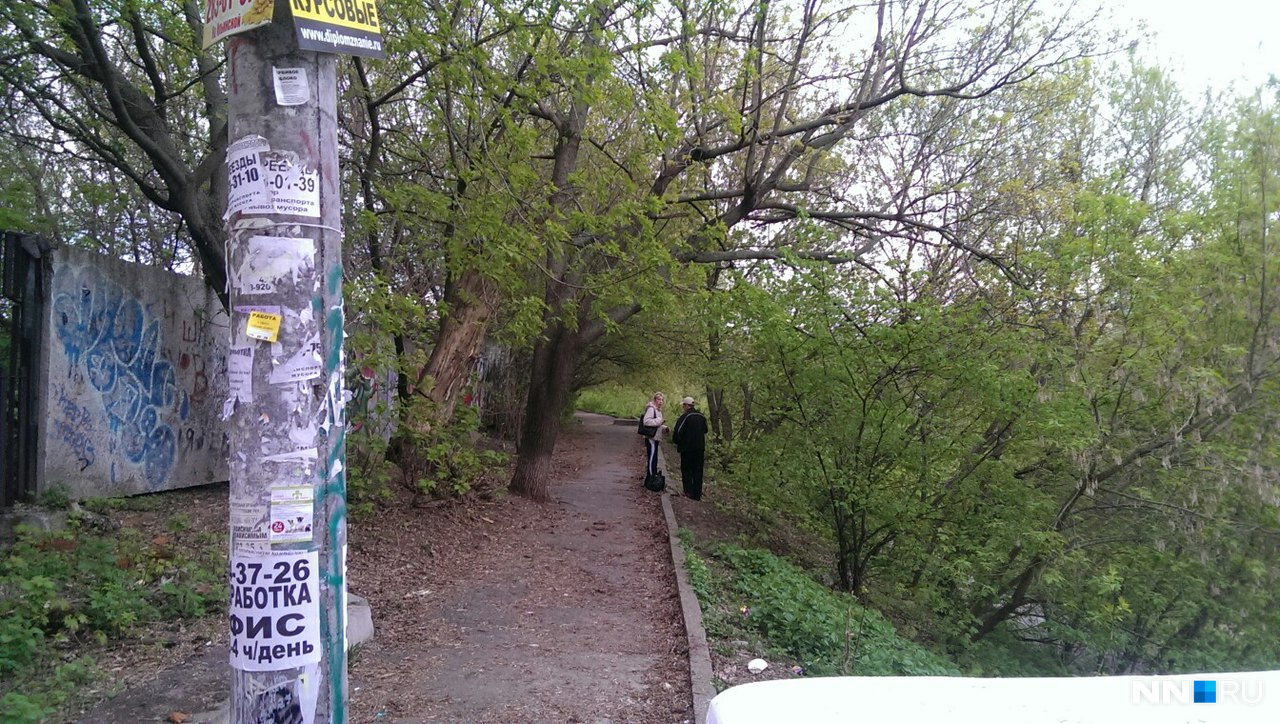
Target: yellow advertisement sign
{"points": [[349, 27], [264, 326], [354, 14], [223, 18]]}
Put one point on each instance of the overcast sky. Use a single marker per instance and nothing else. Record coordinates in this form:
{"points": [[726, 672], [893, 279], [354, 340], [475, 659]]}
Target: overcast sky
{"points": [[1209, 42]]}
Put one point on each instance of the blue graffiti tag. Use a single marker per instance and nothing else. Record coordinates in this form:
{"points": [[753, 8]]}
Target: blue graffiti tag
{"points": [[72, 427], [109, 337]]}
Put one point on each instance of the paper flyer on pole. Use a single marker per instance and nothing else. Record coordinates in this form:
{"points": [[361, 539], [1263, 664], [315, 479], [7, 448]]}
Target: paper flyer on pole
{"points": [[290, 86], [246, 181], [275, 610]]}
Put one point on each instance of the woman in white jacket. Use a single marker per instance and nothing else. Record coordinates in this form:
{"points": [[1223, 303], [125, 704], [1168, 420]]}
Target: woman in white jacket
{"points": [[653, 421]]}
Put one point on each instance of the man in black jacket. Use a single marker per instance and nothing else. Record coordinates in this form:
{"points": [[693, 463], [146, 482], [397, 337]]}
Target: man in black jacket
{"points": [[690, 438]]}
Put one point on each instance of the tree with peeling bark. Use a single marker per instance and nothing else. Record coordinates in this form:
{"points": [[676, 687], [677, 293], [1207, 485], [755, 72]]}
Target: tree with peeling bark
{"points": [[439, 144]]}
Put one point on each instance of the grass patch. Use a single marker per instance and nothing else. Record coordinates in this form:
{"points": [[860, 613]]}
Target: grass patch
{"points": [[699, 574], [628, 400], [755, 596], [614, 400]]}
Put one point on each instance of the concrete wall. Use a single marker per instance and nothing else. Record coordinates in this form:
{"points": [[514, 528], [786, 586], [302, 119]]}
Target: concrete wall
{"points": [[134, 379]]}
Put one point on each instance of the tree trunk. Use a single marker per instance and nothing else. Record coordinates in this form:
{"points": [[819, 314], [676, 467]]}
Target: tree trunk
{"points": [[746, 416], [717, 414], [550, 378], [470, 305], [1018, 597]]}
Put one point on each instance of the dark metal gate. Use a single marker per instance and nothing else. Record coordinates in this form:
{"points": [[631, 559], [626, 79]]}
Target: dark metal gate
{"points": [[22, 306]]}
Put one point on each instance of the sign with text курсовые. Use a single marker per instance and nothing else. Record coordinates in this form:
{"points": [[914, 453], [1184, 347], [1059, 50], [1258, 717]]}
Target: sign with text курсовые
{"points": [[348, 27]]}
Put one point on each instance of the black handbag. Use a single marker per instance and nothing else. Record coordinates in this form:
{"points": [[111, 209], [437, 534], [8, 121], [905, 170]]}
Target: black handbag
{"points": [[656, 482], [646, 430]]}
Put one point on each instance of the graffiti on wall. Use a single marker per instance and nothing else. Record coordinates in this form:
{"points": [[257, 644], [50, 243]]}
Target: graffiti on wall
{"points": [[114, 343], [73, 427]]}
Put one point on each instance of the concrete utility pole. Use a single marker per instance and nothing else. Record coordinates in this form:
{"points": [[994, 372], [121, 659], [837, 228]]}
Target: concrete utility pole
{"points": [[285, 373]]}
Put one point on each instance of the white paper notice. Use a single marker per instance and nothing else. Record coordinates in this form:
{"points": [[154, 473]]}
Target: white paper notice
{"points": [[240, 373], [272, 258], [291, 86], [246, 180], [295, 189], [304, 437], [300, 455], [249, 527], [275, 610], [305, 364], [309, 689], [291, 512]]}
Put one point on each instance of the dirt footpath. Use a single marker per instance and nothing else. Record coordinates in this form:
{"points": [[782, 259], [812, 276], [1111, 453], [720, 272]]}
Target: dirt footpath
{"points": [[514, 612]]}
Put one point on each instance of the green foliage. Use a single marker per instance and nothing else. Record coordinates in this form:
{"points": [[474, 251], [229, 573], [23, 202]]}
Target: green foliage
{"points": [[699, 574], [103, 506], [1005, 654], [1078, 450], [178, 523], [62, 589], [827, 631], [20, 708], [425, 458], [626, 396], [1041, 404], [19, 642], [369, 472], [452, 462], [611, 399], [56, 497], [40, 698], [69, 586]]}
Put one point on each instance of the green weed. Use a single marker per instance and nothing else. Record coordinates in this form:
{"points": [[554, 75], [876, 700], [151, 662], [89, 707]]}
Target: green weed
{"points": [[825, 630], [58, 590], [55, 497]]}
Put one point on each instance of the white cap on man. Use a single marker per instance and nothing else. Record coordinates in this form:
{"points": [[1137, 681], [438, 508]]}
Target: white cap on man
{"points": [[687, 401]]}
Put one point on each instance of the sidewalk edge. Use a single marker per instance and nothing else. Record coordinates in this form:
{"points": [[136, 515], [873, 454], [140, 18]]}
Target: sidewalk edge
{"points": [[700, 676]]}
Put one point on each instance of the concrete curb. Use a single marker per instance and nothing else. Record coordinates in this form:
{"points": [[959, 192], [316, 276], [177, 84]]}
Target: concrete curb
{"points": [[700, 674]]}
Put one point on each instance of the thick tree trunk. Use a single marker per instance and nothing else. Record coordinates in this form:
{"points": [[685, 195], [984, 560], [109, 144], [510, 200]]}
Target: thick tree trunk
{"points": [[550, 379], [470, 304]]}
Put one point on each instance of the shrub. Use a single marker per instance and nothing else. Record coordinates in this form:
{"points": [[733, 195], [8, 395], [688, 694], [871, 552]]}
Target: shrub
{"points": [[15, 707], [442, 460], [56, 497]]}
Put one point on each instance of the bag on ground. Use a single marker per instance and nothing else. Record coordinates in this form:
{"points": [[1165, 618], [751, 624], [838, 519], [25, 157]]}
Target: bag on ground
{"points": [[657, 482]]}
